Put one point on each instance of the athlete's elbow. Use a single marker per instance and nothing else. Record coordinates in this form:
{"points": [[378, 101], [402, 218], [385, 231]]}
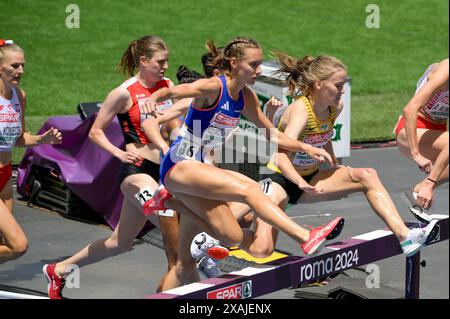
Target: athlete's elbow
{"points": [[409, 110]]}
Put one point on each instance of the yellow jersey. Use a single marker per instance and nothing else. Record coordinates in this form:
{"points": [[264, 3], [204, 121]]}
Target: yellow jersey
{"points": [[317, 133]]}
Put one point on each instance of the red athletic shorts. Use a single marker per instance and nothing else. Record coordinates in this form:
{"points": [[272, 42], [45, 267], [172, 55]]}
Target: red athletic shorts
{"points": [[5, 174], [420, 123]]}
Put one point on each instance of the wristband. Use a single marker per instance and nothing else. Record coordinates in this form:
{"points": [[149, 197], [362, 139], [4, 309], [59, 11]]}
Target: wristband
{"points": [[432, 180]]}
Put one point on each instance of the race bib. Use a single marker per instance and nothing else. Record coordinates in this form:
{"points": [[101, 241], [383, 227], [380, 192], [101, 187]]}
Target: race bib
{"points": [[164, 105], [187, 149], [144, 194], [303, 159], [214, 137], [166, 213], [220, 128], [161, 107], [266, 186]]}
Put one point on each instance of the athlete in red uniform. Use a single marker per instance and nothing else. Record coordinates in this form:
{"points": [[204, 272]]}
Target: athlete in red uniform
{"points": [[422, 132], [139, 175]]}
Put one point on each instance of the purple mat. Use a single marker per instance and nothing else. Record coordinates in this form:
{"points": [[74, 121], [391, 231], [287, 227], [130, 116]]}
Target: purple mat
{"points": [[85, 168]]}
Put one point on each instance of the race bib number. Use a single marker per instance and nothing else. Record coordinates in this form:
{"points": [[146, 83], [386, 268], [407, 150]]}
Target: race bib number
{"points": [[187, 149], [144, 195], [266, 186], [303, 159], [220, 127], [164, 105], [166, 213], [161, 107]]}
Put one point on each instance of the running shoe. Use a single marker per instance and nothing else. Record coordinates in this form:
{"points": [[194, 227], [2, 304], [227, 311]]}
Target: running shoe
{"points": [[422, 215], [419, 237], [203, 245], [319, 236], [157, 201], [55, 283], [208, 267]]}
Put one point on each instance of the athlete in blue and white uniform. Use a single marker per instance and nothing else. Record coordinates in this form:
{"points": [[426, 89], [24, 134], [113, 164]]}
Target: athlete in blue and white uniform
{"points": [[204, 129], [208, 190]]}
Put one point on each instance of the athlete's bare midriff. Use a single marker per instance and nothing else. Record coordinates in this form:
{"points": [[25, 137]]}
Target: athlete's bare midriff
{"points": [[148, 151]]}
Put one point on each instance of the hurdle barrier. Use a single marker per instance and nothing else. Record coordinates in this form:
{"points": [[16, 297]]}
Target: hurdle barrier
{"points": [[292, 271]]}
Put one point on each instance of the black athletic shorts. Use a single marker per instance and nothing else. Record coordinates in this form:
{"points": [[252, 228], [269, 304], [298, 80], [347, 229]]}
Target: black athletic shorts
{"points": [[293, 191], [144, 167]]}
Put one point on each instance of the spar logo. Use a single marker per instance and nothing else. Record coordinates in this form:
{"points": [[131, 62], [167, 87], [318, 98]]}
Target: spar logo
{"points": [[238, 291]]}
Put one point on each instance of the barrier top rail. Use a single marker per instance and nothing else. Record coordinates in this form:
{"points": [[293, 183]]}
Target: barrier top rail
{"points": [[293, 271]]}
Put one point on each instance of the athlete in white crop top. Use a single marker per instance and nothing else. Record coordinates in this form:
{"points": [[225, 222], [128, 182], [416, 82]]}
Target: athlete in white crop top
{"points": [[422, 132], [13, 242]]}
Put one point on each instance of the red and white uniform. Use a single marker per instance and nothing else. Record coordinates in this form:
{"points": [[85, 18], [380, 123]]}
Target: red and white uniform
{"points": [[131, 120], [437, 107], [10, 121], [434, 114], [10, 130]]}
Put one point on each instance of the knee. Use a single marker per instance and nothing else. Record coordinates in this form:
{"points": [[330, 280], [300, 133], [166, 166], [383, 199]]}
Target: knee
{"points": [[232, 238], [279, 196], [117, 247], [227, 231], [19, 248], [261, 250], [365, 176], [251, 191]]}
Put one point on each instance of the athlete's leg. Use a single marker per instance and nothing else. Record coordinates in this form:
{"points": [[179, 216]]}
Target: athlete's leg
{"points": [[217, 215], [169, 227], [201, 180], [130, 224], [13, 241], [345, 180], [177, 205], [185, 270], [260, 239]]}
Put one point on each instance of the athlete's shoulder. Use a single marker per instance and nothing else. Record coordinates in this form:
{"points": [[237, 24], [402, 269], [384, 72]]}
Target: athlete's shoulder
{"points": [[21, 93], [443, 66], [129, 82], [164, 82], [250, 97], [213, 83], [119, 93], [339, 107], [300, 105]]}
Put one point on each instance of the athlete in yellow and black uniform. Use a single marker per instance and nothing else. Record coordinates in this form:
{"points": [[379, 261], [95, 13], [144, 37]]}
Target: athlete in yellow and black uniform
{"points": [[316, 133]]}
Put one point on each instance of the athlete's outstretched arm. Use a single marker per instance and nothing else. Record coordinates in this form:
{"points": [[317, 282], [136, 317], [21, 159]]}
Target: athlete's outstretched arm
{"points": [[285, 165], [51, 136], [205, 91], [425, 194], [151, 125], [253, 112]]}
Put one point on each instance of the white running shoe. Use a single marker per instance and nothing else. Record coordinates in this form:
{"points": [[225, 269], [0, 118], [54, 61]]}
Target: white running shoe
{"points": [[422, 215], [203, 245], [418, 237], [208, 267]]}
